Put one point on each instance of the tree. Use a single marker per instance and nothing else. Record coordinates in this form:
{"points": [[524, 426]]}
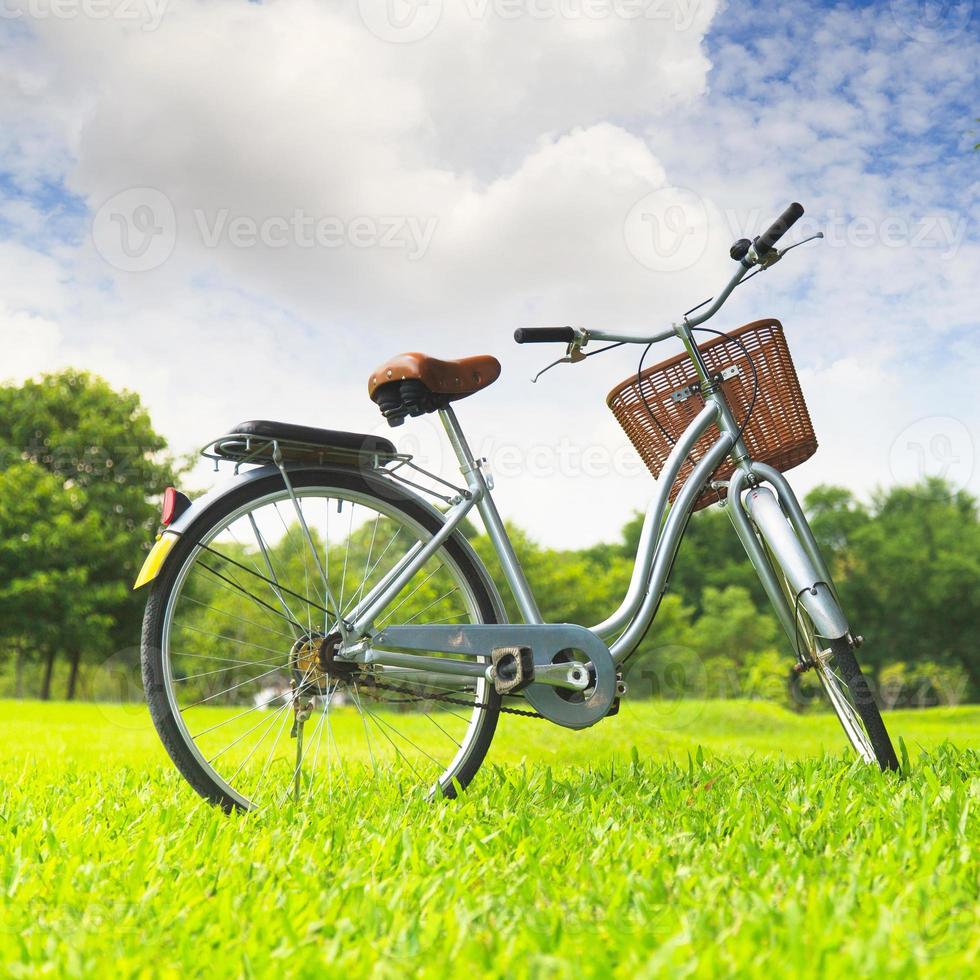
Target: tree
{"points": [[710, 554], [47, 602], [100, 449], [910, 580], [571, 586], [835, 516]]}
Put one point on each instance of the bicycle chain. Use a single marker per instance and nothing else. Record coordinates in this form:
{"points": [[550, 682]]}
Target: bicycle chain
{"points": [[398, 689]]}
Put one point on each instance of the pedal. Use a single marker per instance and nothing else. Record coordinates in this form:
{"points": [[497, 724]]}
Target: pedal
{"points": [[513, 669]]}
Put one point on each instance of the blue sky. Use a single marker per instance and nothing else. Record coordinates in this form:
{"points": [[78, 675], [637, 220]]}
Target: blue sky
{"points": [[317, 187]]}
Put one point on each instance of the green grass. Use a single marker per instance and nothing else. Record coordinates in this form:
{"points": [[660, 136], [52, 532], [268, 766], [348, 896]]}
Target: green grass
{"points": [[620, 851]]}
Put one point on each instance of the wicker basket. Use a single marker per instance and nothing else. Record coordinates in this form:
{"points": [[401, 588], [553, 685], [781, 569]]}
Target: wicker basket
{"points": [[778, 433]]}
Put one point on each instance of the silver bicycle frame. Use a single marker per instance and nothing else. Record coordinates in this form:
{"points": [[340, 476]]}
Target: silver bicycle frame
{"points": [[776, 524]]}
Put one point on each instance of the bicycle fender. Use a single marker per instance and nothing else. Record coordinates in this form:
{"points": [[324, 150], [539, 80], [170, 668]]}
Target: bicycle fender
{"points": [[165, 542], [156, 559], [813, 594]]}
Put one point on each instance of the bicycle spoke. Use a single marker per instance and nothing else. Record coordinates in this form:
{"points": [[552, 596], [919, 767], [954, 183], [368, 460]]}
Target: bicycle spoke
{"points": [[377, 563], [428, 715], [367, 561], [226, 639], [343, 573], [248, 594], [240, 619], [228, 690], [255, 748], [257, 639], [438, 568], [367, 734], [260, 541], [221, 670], [434, 602], [228, 721]]}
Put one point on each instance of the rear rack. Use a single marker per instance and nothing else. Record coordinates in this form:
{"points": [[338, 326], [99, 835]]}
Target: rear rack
{"points": [[243, 448]]}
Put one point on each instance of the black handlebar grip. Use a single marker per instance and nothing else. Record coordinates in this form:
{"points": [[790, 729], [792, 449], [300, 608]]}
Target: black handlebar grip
{"points": [[544, 335], [778, 228]]}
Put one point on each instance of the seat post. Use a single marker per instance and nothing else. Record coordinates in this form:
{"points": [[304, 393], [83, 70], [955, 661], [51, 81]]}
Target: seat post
{"points": [[477, 482], [467, 462]]}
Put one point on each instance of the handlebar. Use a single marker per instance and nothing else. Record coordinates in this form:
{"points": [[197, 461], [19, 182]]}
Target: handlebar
{"points": [[765, 242], [757, 256], [544, 335]]}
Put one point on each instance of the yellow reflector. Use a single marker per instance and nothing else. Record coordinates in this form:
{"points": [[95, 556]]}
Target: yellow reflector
{"points": [[155, 559]]}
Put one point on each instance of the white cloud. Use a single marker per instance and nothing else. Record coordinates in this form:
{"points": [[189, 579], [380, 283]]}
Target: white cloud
{"points": [[523, 144], [30, 343]]}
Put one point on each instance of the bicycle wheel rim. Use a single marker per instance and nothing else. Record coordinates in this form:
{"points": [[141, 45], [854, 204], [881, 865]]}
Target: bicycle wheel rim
{"points": [[836, 689], [467, 728]]}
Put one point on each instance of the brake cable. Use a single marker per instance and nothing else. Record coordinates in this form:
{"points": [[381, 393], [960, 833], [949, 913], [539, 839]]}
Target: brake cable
{"points": [[568, 359]]}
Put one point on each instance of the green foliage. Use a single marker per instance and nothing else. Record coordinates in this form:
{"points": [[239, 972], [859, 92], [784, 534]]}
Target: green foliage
{"points": [[573, 586], [907, 566], [46, 592], [711, 555], [922, 684], [569, 856], [908, 570], [78, 453], [82, 466]]}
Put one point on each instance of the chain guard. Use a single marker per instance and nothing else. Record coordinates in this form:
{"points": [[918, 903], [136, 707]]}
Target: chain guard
{"points": [[549, 644]]}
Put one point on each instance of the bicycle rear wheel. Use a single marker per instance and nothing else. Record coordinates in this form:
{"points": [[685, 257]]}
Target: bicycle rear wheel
{"points": [[236, 644]]}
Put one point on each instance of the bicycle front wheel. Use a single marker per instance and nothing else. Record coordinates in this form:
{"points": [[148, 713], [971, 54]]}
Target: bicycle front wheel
{"points": [[242, 693], [843, 683]]}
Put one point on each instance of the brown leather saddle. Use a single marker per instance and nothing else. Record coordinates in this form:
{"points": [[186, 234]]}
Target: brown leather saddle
{"points": [[414, 383]]}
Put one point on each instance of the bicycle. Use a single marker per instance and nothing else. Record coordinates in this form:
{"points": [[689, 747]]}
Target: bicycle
{"points": [[379, 640]]}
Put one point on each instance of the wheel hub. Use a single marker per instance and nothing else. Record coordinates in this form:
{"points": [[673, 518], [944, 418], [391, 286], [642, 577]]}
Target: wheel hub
{"points": [[329, 665], [304, 659]]}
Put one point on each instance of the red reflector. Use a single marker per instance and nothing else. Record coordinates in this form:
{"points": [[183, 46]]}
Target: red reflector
{"points": [[169, 505]]}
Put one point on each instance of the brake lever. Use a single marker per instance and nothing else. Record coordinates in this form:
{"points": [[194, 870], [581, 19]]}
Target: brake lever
{"points": [[789, 248], [573, 356], [774, 255]]}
